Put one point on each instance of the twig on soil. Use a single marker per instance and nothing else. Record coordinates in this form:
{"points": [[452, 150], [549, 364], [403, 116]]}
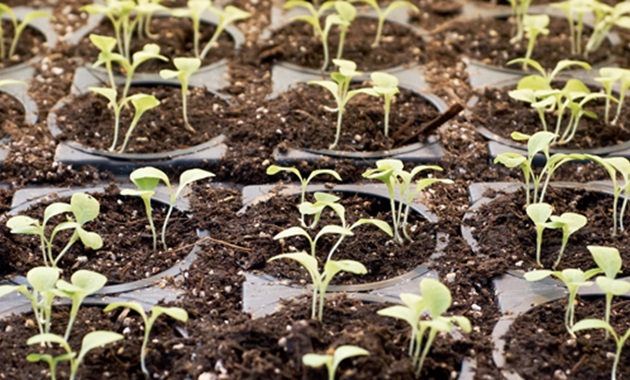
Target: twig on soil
{"points": [[429, 127]]}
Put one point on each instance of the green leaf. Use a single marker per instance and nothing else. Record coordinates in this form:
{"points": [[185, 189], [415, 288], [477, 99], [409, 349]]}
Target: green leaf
{"points": [[529, 62], [593, 324], [346, 67], [436, 295], [86, 281], [537, 275], [143, 102], [306, 260], [90, 239], [539, 142], [345, 352], [42, 279], [611, 286], [173, 312], [539, 212], [346, 11], [316, 360], [48, 338], [333, 267], [97, 339], [607, 259], [148, 52], [133, 305], [332, 87], [383, 226], [23, 224], [510, 160], [108, 93], [84, 207], [147, 178], [190, 176], [7, 289], [103, 43], [291, 232]]}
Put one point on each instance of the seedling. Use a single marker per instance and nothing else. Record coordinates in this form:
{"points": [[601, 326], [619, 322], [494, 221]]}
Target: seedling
{"points": [[536, 143], [275, 169], [195, 9], [609, 260], [147, 179], [383, 13], [90, 341], [534, 26], [156, 311], [347, 13], [620, 341], [608, 76], [519, 11], [539, 213], [339, 88], [570, 223], [577, 8], [326, 200], [331, 362], [436, 300], [82, 284], [141, 104], [186, 67], [385, 85], [119, 13], [144, 12], [18, 27], [399, 184], [573, 279], [42, 281], [322, 280], [83, 207], [606, 18]]}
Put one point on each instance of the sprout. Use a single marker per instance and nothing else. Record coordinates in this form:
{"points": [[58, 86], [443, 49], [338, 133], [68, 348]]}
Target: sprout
{"points": [[383, 13], [339, 88], [156, 311], [331, 362], [83, 207], [385, 85], [399, 183], [119, 13], [608, 76], [321, 281], [194, 11], [607, 17], [228, 16], [141, 104], [18, 28], [534, 25], [620, 341], [579, 8], [539, 213], [147, 179], [609, 260], [347, 14], [519, 12], [90, 341], [435, 300], [186, 67]]}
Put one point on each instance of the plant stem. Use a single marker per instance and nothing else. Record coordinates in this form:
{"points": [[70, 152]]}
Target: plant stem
{"points": [[168, 215], [214, 39], [338, 132]]}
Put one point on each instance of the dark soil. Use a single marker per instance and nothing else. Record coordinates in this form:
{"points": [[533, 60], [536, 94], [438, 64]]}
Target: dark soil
{"points": [[175, 38], [505, 216], [488, 40], [30, 44], [539, 346], [295, 43], [126, 254], [88, 120], [303, 121], [11, 115], [501, 114]]}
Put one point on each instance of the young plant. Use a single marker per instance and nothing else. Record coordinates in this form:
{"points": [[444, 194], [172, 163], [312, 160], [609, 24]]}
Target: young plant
{"points": [[347, 13], [146, 180], [620, 340], [120, 14], [156, 311], [331, 362], [575, 11], [82, 284], [385, 85], [573, 279], [90, 341], [18, 28], [186, 67], [327, 200], [606, 18], [275, 169], [83, 207], [141, 104], [537, 143], [539, 213], [436, 299], [42, 281], [609, 260], [608, 76], [339, 87], [383, 13], [534, 25], [519, 11], [322, 280], [399, 185], [616, 166]]}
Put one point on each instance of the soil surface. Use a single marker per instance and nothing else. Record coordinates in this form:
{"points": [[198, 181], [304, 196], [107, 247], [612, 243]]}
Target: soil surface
{"points": [[488, 40], [29, 45], [539, 346], [502, 115], [11, 114], [173, 35], [506, 216], [295, 43], [126, 254], [88, 120]]}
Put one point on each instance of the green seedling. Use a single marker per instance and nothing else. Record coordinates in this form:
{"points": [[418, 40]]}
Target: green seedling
{"points": [[186, 67], [321, 280], [42, 280], [383, 13], [194, 10], [324, 200], [539, 213], [608, 76], [144, 12], [347, 13], [607, 17], [106, 55], [315, 12], [399, 185], [436, 299], [90, 341], [570, 223], [331, 362], [83, 207], [119, 13], [519, 11], [141, 104], [339, 88], [615, 167], [275, 169], [156, 311], [537, 143], [534, 25], [544, 79], [18, 28], [573, 279], [385, 85], [229, 15], [82, 284], [609, 260], [620, 341], [146, 180], [575, 10]]}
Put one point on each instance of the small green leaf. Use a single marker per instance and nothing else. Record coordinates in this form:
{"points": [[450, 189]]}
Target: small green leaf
{"points": [[42, 279]]}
